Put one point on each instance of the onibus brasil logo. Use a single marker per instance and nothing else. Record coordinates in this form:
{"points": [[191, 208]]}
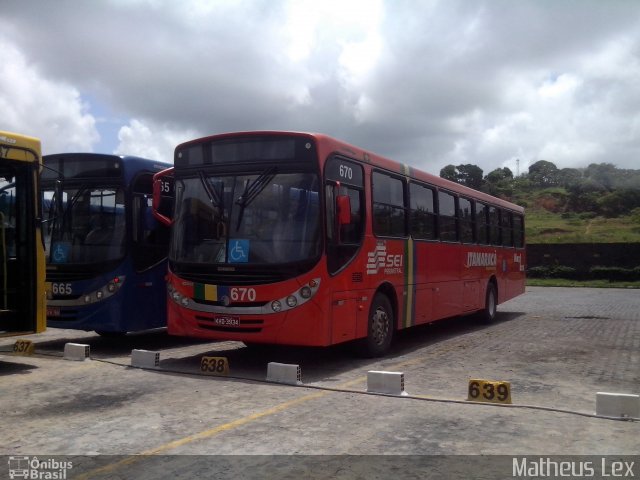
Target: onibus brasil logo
{"points": [[34, 468]]}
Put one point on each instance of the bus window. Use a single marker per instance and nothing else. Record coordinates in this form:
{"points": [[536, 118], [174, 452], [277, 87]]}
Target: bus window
{"points": [[344, 240], [494, 226], [518, 231], [423, 218], [448, 221], [482, 225], [389, 213], [505, 228], [466, 220]]}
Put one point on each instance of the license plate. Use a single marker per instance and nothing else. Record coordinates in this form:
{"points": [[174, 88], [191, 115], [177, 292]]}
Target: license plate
{"points": [[53, 311], [227, 321]]}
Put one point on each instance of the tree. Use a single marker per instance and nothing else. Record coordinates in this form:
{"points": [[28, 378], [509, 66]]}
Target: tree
{"points": [[543, 174], [603, 173], [449, 172], [569, 176], [499, 182], [468, 175], [498, 175]]}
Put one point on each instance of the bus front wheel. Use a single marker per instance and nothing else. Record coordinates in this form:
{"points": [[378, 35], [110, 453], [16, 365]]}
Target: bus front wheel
{"points": [[380, 327]]}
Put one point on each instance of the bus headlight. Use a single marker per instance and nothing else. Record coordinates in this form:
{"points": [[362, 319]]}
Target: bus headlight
{"points": [[176, 296], [276, 306], [87, 298], [292, 301], [99, 294], [305, 292]]}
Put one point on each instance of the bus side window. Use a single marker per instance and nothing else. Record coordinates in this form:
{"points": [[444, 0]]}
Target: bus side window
{"points": [[518, 231], [494, 226], [389, 212], [506, 228], [423, 216], [466, 220], [448, 220], [482, 224]]}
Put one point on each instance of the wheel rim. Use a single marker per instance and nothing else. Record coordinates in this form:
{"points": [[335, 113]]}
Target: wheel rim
{"points": [[380, 326]]}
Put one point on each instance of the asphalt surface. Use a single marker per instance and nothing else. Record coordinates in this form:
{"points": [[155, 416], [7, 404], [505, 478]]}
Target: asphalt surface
{"points": [[556, 346]]}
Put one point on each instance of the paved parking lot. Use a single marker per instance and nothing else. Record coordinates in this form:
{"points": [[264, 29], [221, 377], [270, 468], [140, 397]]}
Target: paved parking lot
{"points": [[556, 346]]}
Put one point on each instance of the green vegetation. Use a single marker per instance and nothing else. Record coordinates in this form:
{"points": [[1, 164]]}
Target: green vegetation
{"points": [[543, 226], [596, 204]]}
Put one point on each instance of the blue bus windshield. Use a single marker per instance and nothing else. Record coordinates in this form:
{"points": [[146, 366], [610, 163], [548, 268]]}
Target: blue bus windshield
{"points": [[90, 226]]}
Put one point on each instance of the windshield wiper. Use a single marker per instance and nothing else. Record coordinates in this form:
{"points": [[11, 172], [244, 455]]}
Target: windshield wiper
{"points": [[252, 190], [214, 196]]}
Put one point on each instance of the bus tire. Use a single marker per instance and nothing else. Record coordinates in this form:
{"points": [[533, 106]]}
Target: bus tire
{"points": [[380, 327], [488, 314]]}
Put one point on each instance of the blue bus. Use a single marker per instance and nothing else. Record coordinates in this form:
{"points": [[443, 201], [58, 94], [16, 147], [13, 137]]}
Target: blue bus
{"points": [[106, 254]]}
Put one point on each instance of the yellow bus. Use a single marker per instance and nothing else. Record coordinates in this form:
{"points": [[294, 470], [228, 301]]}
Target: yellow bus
{"points": [[22, 261]]}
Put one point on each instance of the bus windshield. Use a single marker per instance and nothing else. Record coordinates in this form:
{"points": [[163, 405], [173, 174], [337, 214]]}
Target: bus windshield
{"points": [[86, 225], [268, 217]]}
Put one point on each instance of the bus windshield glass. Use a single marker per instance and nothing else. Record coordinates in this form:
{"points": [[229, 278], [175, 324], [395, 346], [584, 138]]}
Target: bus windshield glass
{"points": [[267, 217], [86, 225]]}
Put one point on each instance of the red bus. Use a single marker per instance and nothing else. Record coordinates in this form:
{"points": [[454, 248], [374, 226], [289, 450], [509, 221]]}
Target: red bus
{"points": [[301, 239]]}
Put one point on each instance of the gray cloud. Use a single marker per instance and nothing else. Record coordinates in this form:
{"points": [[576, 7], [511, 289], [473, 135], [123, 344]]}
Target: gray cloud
{"points": [[426, 83]]}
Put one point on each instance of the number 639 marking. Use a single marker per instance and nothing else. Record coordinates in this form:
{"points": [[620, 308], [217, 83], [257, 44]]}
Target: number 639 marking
{"points": [[489, 391]]}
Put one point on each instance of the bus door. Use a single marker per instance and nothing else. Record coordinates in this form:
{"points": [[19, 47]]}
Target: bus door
{"points": [[344, 192], [149, 252], [18, 254]]}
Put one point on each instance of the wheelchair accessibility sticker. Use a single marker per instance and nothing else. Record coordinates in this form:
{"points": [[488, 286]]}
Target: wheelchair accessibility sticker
{"points": [[60, 252], [238, 251]]}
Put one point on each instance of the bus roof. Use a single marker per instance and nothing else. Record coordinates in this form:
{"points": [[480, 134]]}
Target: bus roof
{"points": [[130, 164], [328, 145], [15, 146]]}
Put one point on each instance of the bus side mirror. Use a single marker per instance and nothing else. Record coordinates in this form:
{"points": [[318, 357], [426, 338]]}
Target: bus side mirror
{"points": [[163, 196], [343, 208]]}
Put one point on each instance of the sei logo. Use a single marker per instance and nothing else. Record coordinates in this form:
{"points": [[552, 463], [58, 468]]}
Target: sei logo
{"points": [[379, 259]]}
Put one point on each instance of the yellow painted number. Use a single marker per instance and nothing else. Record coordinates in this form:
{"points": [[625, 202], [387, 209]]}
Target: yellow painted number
{"points": [[23, 347], [489, 391], [214, 365]]}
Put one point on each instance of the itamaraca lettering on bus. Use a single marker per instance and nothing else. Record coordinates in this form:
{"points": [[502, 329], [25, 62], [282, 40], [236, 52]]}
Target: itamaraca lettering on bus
{"points": [[379, 259], [481, 259]]}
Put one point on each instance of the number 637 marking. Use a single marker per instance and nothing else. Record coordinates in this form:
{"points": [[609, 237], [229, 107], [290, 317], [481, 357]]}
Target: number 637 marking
{"points": [[489, 391]]}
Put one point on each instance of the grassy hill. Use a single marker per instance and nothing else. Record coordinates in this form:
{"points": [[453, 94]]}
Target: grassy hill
{"points": [[543, 226], [547, 221]]}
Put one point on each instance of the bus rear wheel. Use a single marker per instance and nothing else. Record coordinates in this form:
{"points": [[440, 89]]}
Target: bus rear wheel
{"points": [[488, 314], [380, 327]]}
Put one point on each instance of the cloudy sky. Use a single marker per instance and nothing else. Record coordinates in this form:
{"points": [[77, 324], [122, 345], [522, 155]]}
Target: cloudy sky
{"points": [[426, 82]]}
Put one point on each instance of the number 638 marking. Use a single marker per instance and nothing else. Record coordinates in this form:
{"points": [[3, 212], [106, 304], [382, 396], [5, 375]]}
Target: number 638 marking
{"points": [[214, 365], [489, 391]]}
